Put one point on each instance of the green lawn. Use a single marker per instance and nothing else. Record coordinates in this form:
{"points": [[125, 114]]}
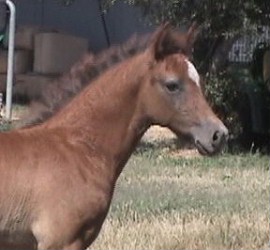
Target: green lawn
{"points": [[163, 201]]}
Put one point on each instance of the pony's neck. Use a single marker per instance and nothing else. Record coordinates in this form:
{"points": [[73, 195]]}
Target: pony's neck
{"points": [[108, 113]]}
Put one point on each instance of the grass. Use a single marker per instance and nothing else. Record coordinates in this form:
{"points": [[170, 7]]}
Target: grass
{"points": [[163, 201]]}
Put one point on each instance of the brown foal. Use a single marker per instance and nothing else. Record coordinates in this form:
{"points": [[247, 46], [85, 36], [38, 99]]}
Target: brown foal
{"points": [[57, 179]]}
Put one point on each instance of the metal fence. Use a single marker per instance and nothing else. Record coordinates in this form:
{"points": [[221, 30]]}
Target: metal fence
{"points": [[242, 50]]}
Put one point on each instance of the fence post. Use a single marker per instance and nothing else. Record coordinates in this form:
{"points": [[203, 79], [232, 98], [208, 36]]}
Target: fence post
{"points": [[10, 69]]}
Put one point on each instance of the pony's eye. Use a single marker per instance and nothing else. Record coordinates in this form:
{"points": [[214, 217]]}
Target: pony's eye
{"points": [[172, 86]]}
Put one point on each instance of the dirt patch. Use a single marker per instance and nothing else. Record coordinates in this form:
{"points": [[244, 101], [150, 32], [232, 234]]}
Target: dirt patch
{"points": [[185, 153], [159, 135]]}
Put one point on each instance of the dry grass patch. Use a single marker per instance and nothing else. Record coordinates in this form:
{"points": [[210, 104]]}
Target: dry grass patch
{"points": [[190, 231], [166, 202]]}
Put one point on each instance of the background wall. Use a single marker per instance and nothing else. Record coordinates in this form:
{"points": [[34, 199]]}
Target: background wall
{"points": [[83, 18]]}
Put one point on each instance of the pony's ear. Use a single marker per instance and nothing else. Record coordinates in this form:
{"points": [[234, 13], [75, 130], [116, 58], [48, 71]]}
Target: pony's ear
{"points": [[192, 34], [168, 41], [163, 42]]}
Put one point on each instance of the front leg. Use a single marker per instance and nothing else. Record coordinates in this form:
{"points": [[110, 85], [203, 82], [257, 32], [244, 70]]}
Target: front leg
{"points": [[54, 236], [54, 233]]}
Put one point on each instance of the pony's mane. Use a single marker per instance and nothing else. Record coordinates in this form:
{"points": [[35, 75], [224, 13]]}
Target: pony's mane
{"points": [[59, 92]]}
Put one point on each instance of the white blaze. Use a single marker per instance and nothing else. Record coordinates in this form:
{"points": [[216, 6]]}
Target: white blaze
{"points": [[193, 73]]}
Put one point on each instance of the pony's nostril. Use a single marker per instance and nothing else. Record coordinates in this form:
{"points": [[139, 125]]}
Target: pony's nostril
{"points": [[219, 138], [216, 136]]}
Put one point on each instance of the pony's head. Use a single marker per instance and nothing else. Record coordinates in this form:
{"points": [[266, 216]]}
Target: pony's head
{"points": [[172, 93]]}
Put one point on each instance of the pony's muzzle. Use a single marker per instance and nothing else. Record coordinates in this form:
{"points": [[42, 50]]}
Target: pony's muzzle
{"points": [[210, 138]]}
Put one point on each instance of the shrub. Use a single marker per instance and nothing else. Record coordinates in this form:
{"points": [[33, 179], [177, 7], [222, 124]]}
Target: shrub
{"points": [[221, 91]]}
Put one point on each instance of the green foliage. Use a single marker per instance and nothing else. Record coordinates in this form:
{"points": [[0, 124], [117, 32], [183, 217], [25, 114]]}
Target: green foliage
{"points": [[224, 102], [225, 18], [212, 89]]}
